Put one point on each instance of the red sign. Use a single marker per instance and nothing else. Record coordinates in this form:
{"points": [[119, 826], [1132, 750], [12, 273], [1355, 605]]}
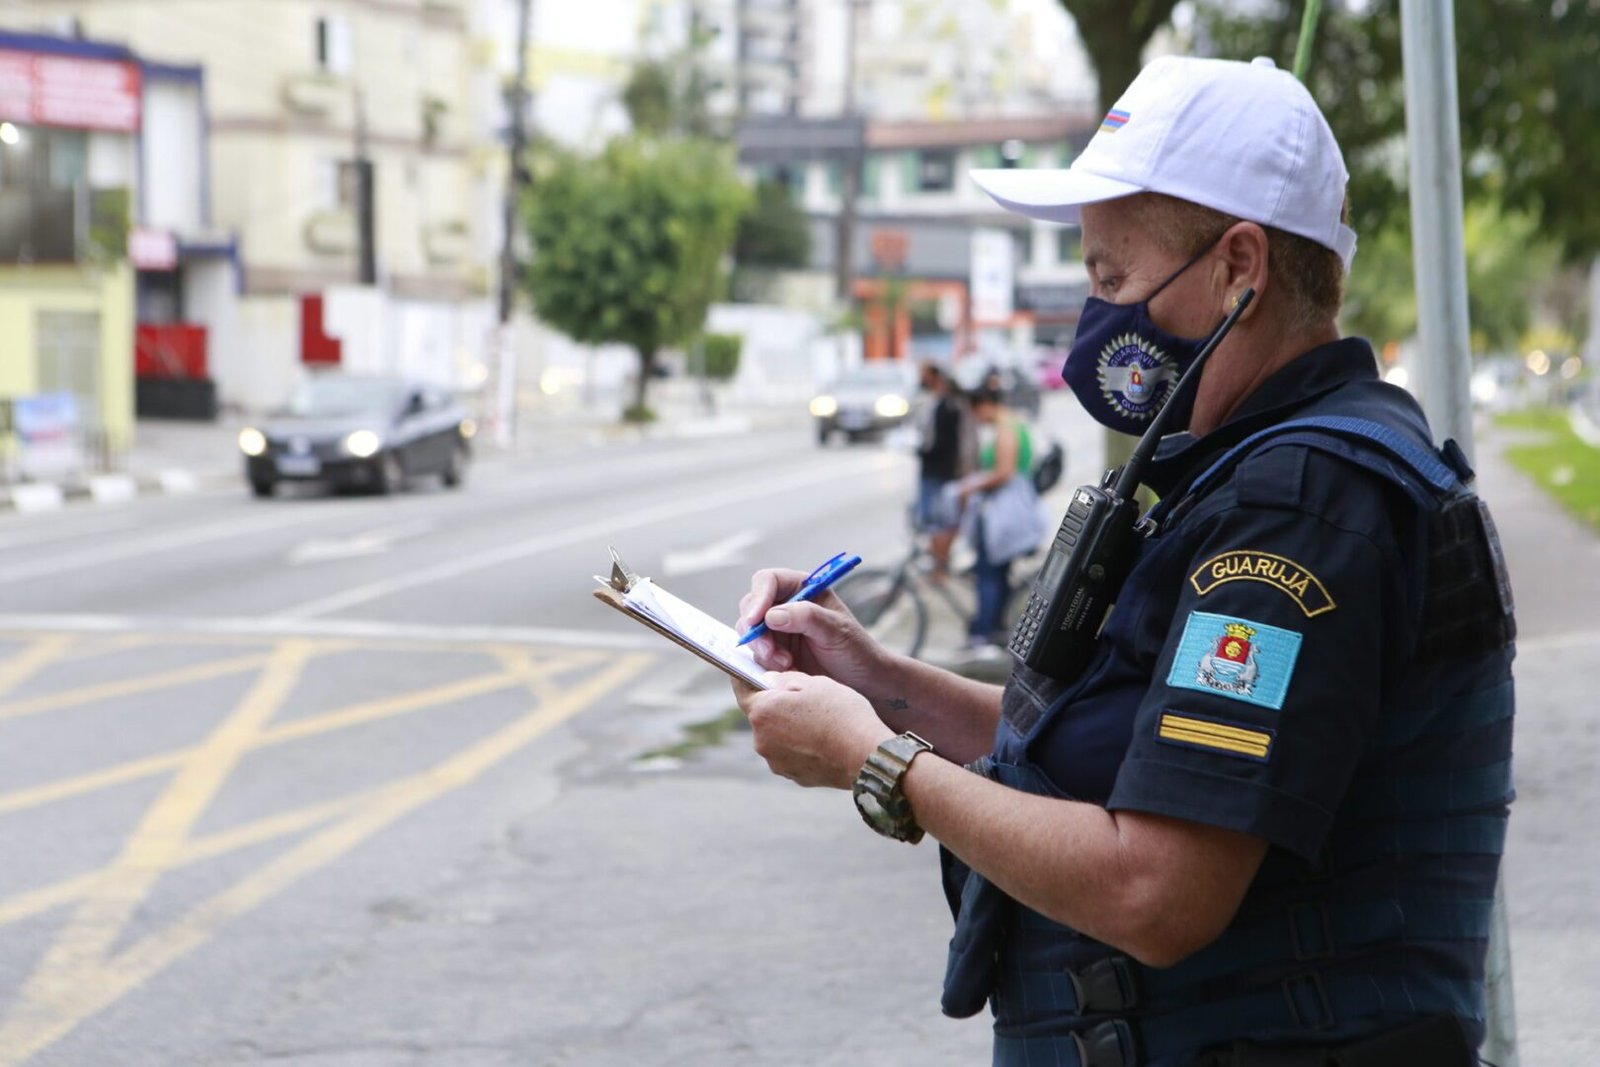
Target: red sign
{"points": [[67, 91]]}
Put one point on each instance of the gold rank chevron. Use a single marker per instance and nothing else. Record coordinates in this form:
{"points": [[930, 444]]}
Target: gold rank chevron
{"points": [[1217, 735]]}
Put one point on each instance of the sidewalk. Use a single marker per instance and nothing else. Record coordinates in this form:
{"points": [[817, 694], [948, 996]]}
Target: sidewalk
{"points": [[1552, 865], [178, 456]]}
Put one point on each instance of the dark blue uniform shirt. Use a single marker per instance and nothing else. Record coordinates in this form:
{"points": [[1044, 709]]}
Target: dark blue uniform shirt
{"points": [[1261, 673]]}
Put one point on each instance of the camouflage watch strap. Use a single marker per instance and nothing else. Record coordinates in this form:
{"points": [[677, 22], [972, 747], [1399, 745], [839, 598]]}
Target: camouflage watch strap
{"points": [[878, 793]]}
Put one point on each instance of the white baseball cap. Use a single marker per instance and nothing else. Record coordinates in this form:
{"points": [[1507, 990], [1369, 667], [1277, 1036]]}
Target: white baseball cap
{"points": [[1245, 139]]}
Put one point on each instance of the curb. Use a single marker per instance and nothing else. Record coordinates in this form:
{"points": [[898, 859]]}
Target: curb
{"points": [[36, 497]]}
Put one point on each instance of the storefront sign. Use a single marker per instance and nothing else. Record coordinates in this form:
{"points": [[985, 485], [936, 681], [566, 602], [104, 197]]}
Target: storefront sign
{"points": [[992, 276], [46, 426], [152, 249], [40, 89]]}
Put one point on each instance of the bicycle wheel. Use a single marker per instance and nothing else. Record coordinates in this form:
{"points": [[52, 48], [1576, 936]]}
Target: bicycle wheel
{"points": [[885, 603]]}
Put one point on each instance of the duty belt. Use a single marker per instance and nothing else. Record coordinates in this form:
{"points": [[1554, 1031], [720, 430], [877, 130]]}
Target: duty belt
{"points": [[1303, 1002]]}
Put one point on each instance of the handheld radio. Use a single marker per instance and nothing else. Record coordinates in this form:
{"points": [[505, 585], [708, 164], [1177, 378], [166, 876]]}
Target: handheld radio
{"points": [[1093, 550]]}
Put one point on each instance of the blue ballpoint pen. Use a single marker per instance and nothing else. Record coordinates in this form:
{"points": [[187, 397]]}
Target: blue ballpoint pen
{"points": [[817, 581]]}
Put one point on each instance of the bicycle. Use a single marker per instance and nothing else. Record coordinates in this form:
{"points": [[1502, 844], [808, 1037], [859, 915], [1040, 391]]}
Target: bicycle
{"points": [[891, 602]]}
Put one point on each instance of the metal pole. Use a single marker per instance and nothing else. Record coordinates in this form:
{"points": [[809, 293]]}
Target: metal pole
{"points": [[1433, 138], [366, 198], [517, 178], [1308, 33], [850, 179], [1433, 141]]}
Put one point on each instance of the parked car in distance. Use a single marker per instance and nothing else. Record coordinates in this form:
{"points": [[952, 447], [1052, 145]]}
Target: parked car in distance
{"points": [[360, 433], [868, 399]]}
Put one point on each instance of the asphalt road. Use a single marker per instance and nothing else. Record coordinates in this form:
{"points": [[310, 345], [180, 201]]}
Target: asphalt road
{"points": [[368, 781], [358, 782]]}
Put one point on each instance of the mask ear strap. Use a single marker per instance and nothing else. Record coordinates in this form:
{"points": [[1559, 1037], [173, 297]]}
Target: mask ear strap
{"points": [[1192, 261]]}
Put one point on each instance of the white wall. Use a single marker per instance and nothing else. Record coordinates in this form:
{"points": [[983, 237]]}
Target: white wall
{"points": [[265, 366], [211, 299], [786, 352], [173, 161], [112, 162], [432, 341]]}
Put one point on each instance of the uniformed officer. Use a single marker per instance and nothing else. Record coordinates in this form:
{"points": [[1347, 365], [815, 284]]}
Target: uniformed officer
{"points": [[1263, 825]]}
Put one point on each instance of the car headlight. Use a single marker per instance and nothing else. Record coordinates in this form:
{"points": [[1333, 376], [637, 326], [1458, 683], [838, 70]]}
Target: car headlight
{"points": [[362, 443], [252, 442], [469, 428], [824, 406], [891, 406]]}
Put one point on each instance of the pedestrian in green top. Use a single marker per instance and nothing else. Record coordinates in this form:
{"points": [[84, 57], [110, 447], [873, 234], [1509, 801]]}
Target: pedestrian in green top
{"points": [[1005, 454]]}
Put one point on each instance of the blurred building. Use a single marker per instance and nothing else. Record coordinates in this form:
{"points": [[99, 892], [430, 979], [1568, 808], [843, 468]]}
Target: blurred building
{"points": [[921, 229], [105, 236], [297, 96], [940, 87], [948, 59]]}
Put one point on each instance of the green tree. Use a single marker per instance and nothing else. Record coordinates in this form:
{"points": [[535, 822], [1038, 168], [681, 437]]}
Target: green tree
{"points": [[672, 95], [651, 98], [1114, 34], [774, 232], [1526, 78], [631, 244]]}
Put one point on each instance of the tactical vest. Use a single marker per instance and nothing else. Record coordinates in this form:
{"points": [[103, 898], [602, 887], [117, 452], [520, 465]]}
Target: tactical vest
{"points": [[1392, 922]]}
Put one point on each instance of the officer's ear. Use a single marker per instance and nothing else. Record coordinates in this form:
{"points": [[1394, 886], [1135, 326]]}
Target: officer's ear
{"points": [[1243, 249]]}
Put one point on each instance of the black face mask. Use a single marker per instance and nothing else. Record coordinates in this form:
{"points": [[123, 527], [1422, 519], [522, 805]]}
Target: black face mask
{"points": [[1122, 366]]}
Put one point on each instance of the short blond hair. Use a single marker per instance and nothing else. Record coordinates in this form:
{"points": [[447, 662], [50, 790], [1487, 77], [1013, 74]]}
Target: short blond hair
{"points": [[1311, 275]]}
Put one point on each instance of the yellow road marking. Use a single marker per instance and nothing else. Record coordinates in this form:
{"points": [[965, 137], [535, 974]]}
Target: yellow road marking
{"points": [[165, 828], [38, 901], [25, 664], [56, 999], [339, 718], [90, 646], [129, 686]]}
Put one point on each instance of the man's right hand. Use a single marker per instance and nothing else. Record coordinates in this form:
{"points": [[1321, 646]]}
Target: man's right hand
{"points": [[817, 636]]}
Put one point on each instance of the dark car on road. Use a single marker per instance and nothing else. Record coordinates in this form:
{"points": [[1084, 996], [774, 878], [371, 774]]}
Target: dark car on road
{"points": [[864, 400], [1019, 388], [360, 433]]}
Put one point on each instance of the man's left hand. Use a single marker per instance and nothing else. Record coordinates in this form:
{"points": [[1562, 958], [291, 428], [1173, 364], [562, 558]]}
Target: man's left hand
{"points": [[812, 730]]}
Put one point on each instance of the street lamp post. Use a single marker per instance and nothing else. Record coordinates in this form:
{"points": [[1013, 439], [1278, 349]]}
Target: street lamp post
{"points": [[1433, 135], [850, 179]]}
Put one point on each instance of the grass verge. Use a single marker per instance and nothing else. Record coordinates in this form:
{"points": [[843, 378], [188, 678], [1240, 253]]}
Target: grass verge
{"points": [[1561, 462]]}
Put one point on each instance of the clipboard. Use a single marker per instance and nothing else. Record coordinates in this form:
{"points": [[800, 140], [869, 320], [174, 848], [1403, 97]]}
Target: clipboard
{"points": [[680, 622]]}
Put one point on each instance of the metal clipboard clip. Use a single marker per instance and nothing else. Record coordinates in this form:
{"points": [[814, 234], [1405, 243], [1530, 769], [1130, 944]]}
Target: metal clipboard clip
{"points": [[622, 578]]}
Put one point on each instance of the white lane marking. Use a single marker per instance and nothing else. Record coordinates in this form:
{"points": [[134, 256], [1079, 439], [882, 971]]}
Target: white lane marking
{"points": [[363, 629], [369, 543], [724, 553], [598, 534], [246, 526]]}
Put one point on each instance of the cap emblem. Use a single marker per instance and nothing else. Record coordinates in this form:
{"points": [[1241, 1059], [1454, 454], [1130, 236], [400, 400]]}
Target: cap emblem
{"points": [[1114, 120]]}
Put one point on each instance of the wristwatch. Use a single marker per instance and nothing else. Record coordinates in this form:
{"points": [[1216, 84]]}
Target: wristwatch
{"points": [[878, 793]]}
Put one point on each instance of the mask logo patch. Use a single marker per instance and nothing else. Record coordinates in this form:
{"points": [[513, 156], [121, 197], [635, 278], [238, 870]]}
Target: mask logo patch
{"points": [[1136, 376], [1280, 572], [1236, 658], [1114, 120]]}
